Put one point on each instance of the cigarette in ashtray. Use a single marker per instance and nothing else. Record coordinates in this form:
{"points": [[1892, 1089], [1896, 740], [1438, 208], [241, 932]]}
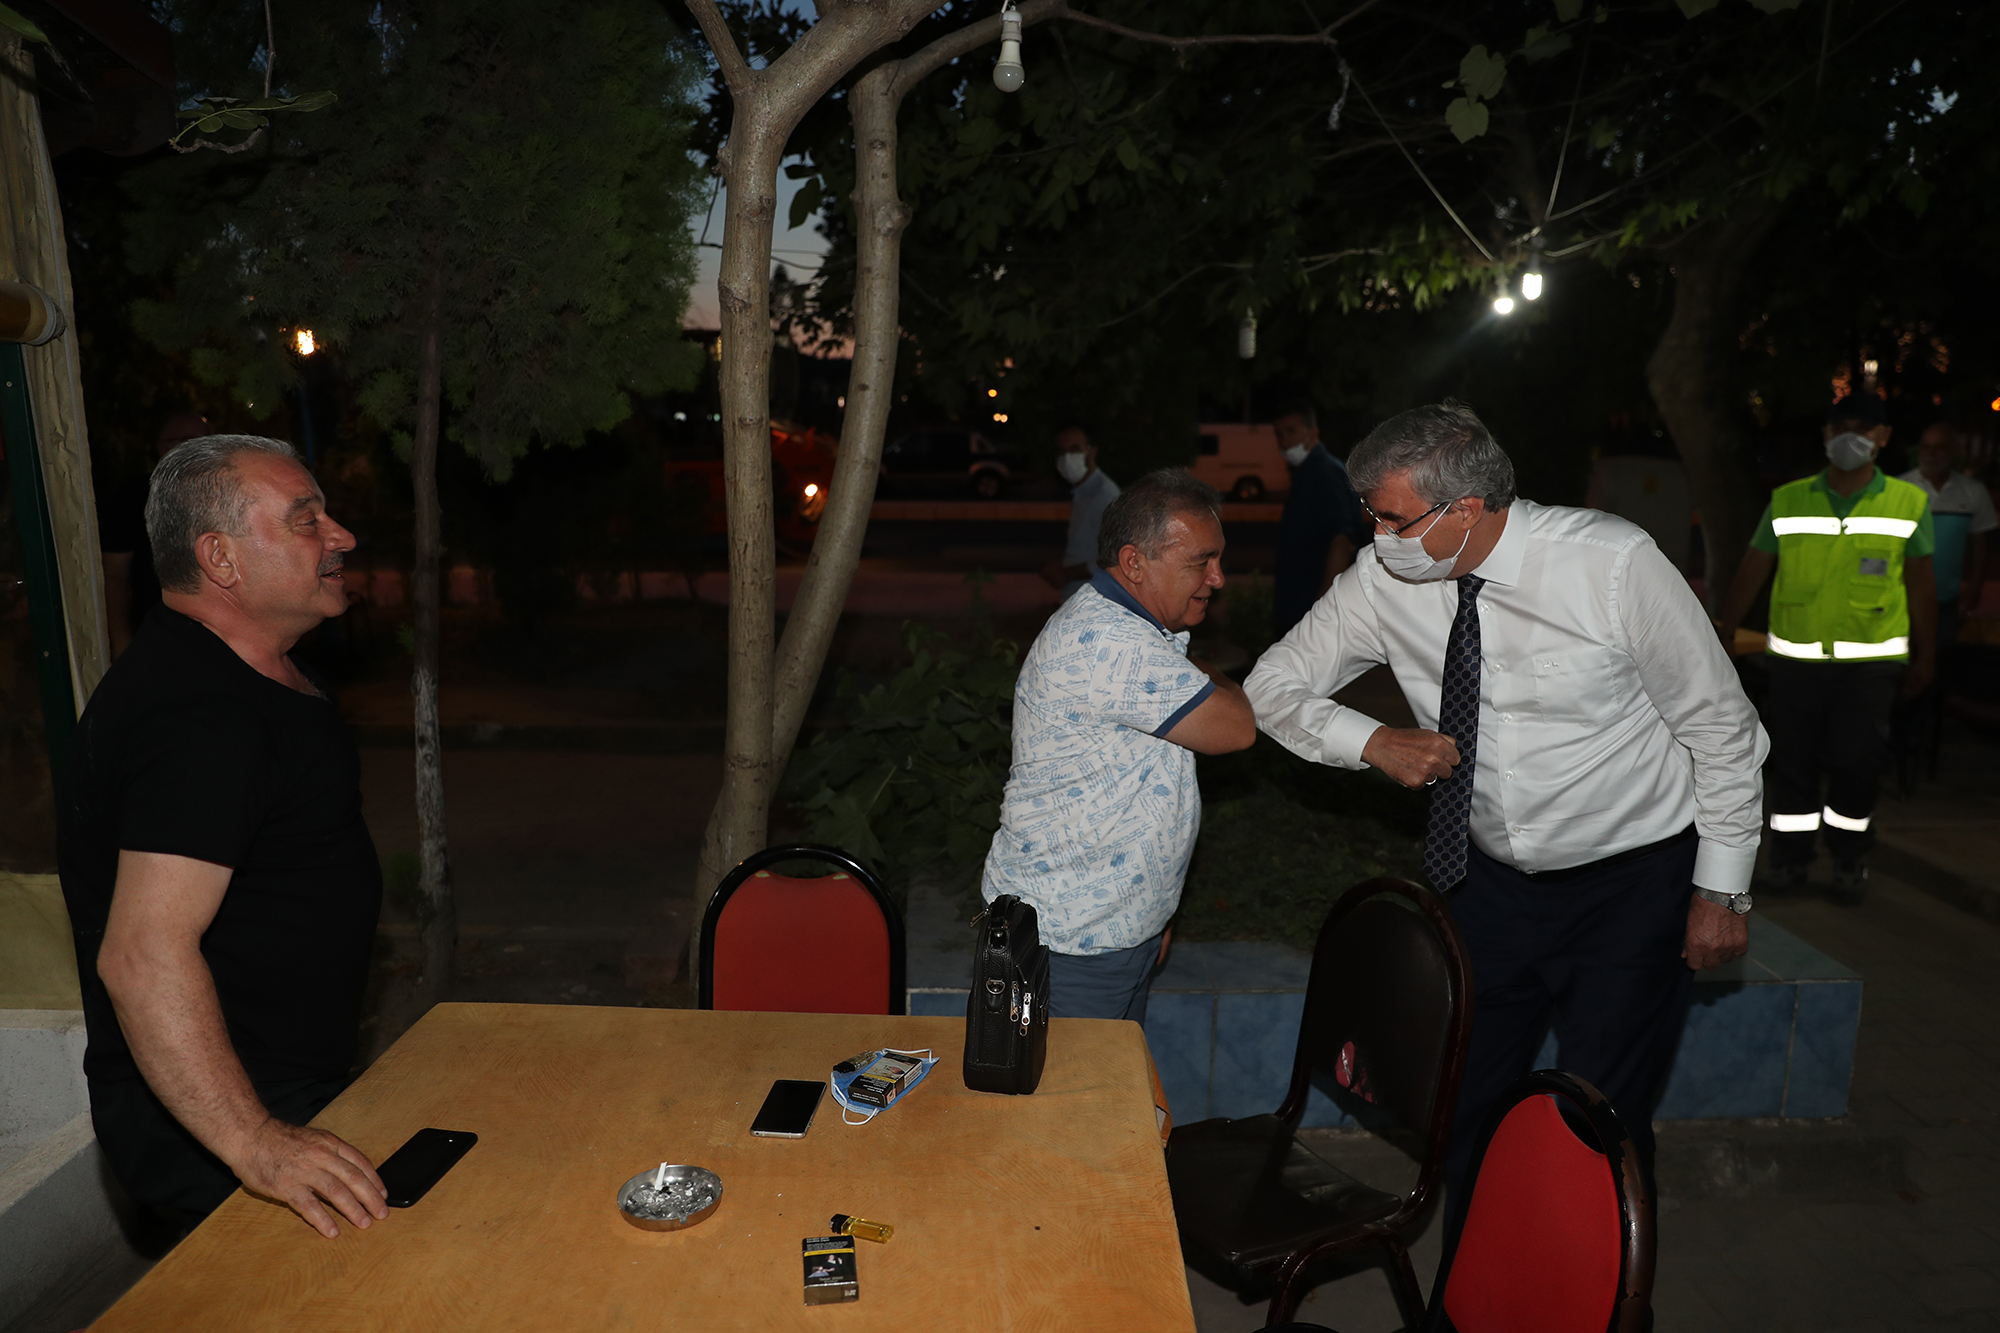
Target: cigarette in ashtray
{"points": [[666, 1199]]}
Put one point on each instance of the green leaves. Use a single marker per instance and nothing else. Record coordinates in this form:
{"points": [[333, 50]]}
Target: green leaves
{"points": [[23, 25], [912, 779], [1541, 44], [210, 114], [1696, 8], [1468, 119], [1569, 11], [1482, 72]]}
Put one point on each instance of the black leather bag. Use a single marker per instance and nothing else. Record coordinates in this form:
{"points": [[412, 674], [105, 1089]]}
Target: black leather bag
{"points": [[1007, 1014]]}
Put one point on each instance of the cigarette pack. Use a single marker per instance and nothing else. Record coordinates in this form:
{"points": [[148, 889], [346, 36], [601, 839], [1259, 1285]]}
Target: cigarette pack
{"points": [[881, 1082], [829, 1266]]}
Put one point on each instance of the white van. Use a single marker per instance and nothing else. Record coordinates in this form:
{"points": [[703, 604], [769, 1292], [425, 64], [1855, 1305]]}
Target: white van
{"points": [[1242, 461]]}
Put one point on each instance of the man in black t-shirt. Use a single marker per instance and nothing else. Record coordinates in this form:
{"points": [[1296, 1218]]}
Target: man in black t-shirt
{"points": [[221, 884]]}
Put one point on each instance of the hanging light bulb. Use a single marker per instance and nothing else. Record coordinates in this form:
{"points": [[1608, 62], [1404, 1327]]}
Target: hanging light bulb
{"points": [[1246, 336], [1531, 281], [1503, 304], [1007, 72]]}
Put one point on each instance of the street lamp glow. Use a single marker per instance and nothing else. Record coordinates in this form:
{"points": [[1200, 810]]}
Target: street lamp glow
{"points": [[1531, 286], [992, 393], [812, 489], [1007, 72], [302, 341], [1000, 417], [1503, 305]]}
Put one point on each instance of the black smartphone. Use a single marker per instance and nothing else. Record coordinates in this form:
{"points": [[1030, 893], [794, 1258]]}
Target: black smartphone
{"points": [[788, 1109], [419, 1164]]}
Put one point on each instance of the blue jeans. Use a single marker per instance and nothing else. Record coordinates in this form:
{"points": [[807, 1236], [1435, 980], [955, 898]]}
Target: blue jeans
{"points": [[1103, 985]]}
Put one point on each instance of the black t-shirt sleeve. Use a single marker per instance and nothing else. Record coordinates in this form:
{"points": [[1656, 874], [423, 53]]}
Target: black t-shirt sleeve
{"points": [[194, 785]]}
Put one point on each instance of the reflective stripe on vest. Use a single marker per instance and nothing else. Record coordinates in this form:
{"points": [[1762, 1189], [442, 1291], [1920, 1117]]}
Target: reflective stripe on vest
{"points": [[1786, 648], [1866, 526], [1835, 819], [1848, 652], [1816, 526], [1795, 823]]}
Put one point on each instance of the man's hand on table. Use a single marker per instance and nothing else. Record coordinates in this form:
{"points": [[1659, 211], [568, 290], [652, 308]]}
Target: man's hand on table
{"points": [[299, 1167], [1411, 755], [1715, 935]]}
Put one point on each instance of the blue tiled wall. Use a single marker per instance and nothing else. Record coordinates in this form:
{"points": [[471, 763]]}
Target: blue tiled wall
{"points": [[1769, 1035]]}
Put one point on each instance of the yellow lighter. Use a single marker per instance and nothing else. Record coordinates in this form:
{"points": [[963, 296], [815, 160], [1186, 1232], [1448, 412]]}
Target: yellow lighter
{"points": [[843, 1225]]}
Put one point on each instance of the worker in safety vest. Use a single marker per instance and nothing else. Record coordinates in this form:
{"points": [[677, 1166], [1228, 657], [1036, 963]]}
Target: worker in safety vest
{"points": [[1853, 624]]}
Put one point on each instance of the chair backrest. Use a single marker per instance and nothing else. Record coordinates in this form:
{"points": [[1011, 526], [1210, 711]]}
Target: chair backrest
{"points": [[1388, 1012], [826, 945], [1558, 1233]]}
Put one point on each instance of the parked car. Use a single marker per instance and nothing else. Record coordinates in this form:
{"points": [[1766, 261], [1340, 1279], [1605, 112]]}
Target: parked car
{"points": [[950, 460], [1242, 461], [801, 470]]}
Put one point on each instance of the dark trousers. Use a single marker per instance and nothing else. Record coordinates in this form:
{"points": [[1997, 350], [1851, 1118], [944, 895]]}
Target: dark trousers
{"points": [[162, 1166], [1829, 729], [1596, 949]]}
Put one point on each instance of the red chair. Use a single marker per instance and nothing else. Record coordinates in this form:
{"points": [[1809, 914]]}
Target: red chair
{"points": [[832, 944], [1558, 1236]]}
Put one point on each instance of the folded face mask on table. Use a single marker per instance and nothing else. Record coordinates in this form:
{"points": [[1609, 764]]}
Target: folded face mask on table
{"points": [[874, 1081]]}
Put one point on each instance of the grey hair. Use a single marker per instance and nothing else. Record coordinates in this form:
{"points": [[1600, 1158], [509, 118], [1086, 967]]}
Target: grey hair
{"points": [[195, 490], [1140, 514], [1446, 451]]}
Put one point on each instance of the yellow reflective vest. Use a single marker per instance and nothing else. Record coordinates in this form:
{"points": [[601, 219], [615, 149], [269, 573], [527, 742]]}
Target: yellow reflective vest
{"points": [[1839, 593]]}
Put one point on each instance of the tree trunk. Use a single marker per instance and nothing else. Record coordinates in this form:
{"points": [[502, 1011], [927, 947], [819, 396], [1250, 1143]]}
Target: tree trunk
{"points": [[1694, 379], [768, 103], [439, 911], [737, 825], [880, 217]]}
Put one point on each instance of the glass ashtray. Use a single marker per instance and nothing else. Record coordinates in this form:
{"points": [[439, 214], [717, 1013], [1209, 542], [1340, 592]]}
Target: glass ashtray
{"points": [[683, 1196]]}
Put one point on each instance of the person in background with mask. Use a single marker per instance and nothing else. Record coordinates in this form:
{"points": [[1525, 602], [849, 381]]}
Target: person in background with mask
{"points": [[1321, 527], [1591, 757], [1853, 623], [1092, 491]]}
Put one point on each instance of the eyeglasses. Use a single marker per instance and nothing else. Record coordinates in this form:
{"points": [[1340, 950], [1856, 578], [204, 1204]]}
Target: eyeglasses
{"points": [[1395, 531]]}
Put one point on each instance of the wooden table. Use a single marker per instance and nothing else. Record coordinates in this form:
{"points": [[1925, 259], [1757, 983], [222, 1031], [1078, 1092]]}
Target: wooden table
{"points": [[1011, 1213]]}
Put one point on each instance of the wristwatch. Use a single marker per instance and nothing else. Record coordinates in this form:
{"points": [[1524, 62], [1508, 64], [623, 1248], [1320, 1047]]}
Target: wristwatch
{"points": [[1738, 903]]}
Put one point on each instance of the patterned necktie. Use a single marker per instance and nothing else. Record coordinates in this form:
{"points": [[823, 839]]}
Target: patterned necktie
{"points": [[1458, 718]]}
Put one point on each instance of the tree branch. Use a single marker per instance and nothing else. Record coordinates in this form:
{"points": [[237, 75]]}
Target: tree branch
{"points": [[736, 71], [966, 40]]}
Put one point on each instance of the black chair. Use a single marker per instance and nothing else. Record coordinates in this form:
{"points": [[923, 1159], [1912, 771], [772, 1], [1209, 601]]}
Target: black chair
{"points": [[830, 944], [1387, 1015], [1557, 1232]]}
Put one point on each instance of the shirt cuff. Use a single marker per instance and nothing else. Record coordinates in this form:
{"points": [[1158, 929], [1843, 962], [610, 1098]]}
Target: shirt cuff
{"points": [[1345, 737], [1723, 869]]}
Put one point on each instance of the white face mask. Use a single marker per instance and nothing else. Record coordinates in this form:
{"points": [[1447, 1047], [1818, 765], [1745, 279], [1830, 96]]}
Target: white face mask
{"points": [[1297, 454], [1848, 451], [1406, 558], [1072, 467]]}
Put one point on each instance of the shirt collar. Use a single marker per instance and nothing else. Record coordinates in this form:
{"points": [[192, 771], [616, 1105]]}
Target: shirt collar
{"points": [[1116, 591], [1876, 485], [1502, 564]]}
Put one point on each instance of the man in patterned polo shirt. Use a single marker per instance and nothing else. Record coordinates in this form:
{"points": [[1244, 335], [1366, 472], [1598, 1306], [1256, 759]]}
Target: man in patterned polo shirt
{"points": [[1101, 808]]}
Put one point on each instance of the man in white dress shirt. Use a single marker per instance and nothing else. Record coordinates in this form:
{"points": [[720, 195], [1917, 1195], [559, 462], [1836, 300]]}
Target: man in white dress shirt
{"points": [[1592, 759]]}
